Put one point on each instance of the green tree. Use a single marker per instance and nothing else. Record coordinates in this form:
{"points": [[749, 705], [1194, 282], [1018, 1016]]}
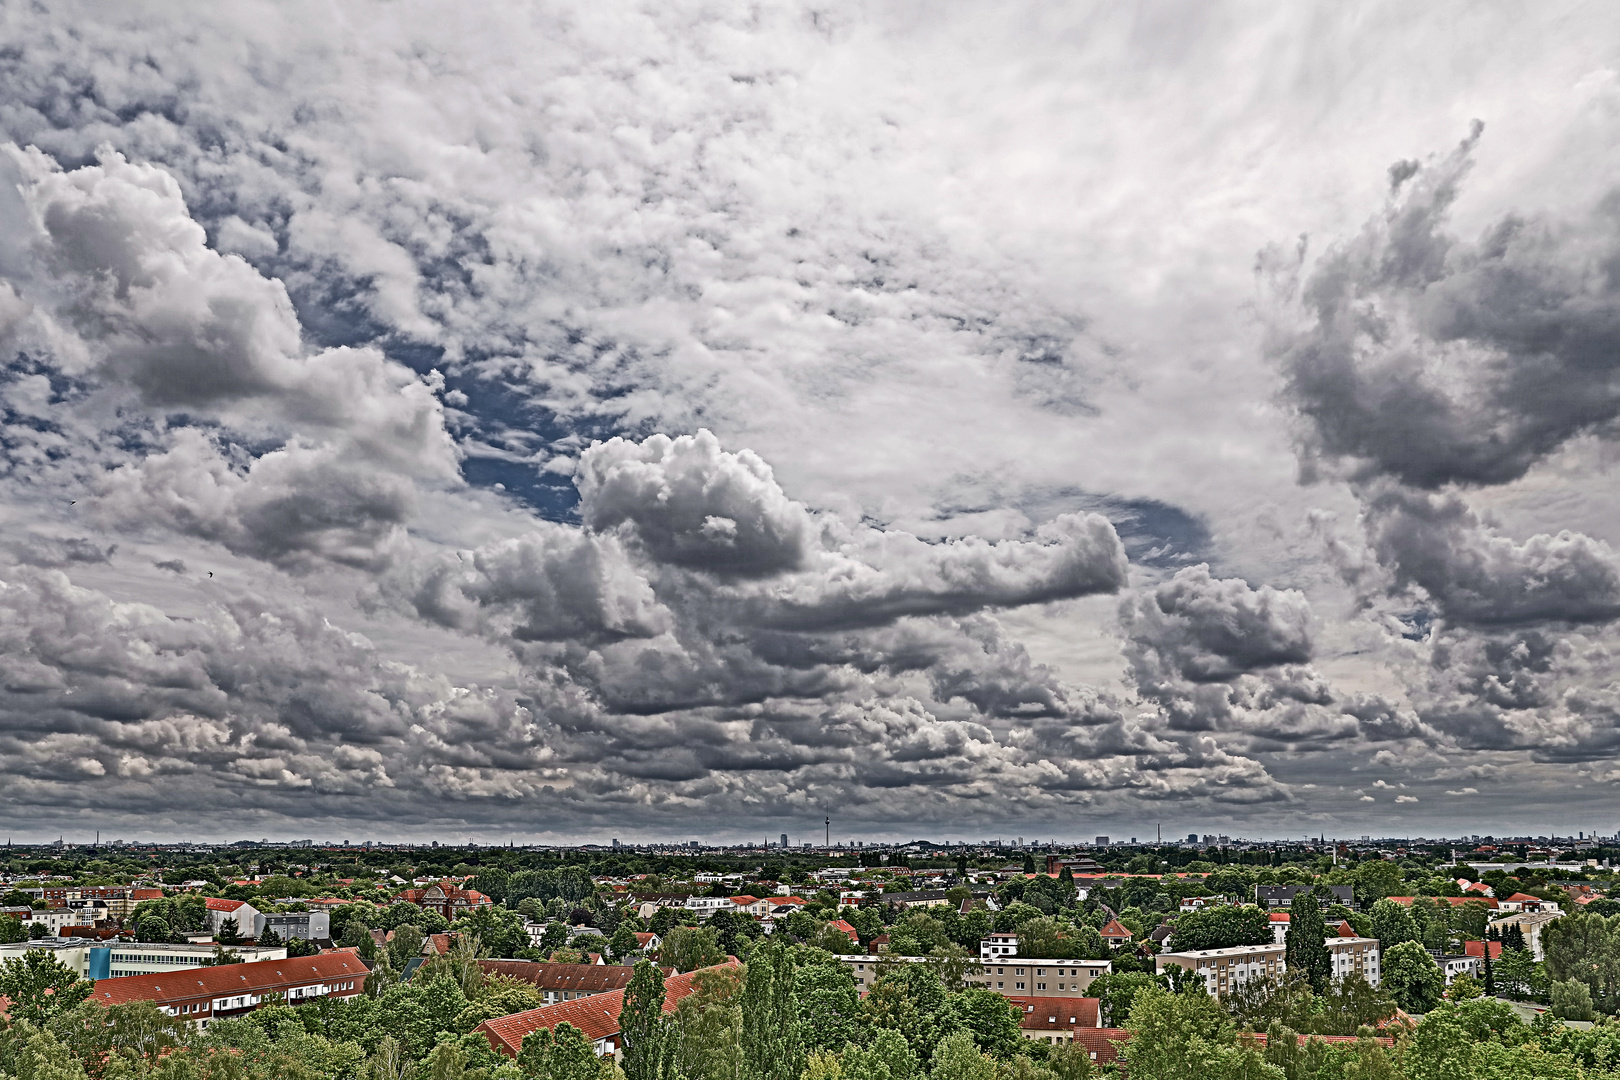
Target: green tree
{"points": [[230, 933], [405, 945], [1392, 924], [40, 986], [269, 939], [624, 942], [1307, 950], [709, 1023], [1515, 973], [645, 1032], [1412, 976], [1115, 992], [563, 1053], [1375, 879], [11, 930], [1571, 1000], [499, 929], [958, 1057], [829, 1006], [770, 1017], [1188, 1037], [687, 948], [1220, 927], [153, 928], [1582, 946], [990, 1019]]}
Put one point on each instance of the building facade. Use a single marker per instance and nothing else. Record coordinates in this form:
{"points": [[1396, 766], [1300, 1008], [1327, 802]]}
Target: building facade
{"points": [[447, 899], [203, 995], [1226, 969]]}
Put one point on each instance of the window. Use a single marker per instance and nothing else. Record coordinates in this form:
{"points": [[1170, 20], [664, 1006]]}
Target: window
{"points": [[1001, 986], [1020, 986]]}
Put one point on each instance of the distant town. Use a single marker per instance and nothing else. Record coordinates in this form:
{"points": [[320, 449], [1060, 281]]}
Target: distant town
{"points": [[501, 960]]}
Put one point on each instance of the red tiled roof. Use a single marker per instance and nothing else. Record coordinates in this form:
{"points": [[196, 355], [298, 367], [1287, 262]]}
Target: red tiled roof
{"points": [[644, 938], [1477, 948], [214, 903], [1279, 916], [844, 927], [1115, 930], [1056, 1014], [146, 894], [744, 901], [1454, 901], [190, 983], [597, 1016], [1525, 898], [563, 978], [1104, 1042]]}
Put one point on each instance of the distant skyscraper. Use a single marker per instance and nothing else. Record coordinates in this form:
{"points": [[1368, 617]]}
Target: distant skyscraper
{"points": [[784, 839], [1102, 841]]}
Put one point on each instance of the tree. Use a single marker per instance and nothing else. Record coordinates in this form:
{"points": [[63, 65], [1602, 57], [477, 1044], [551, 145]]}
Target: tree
{"points": [[1220, 927], [1412, 976], [624, 942], [230, 933], [687, 948], [1188, 1037], [1115, 993], [563, 1053], [269, 939], [1392, 924], [1581, 946], [499, 929], [645, 1032], [1515, 973], [1307, 950], [11, 930], [770, 1017], [957, 1057], [829, 1006], [40, 986], [1376, 879], [1571, 1000], [554, 937], [709, 1025], [990, 1019], [405, 945]]}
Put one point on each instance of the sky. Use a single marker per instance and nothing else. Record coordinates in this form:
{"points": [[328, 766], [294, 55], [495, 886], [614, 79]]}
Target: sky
{"points": [[571, 421]]}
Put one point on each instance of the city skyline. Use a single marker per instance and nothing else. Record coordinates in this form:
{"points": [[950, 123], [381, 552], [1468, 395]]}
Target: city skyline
{"points": [[581, 421]]}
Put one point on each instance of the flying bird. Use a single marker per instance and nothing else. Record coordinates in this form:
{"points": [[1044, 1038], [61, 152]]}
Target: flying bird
{"points": [[210, 573]]}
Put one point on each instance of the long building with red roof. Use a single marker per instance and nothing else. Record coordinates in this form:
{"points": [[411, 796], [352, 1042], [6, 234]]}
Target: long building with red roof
{"points": [[200, 995], [597, 1015]]}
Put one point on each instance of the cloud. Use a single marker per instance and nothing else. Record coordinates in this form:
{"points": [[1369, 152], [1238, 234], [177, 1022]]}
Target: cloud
{"points": [[1434, 360], [1464, 791], [1406, 798]]}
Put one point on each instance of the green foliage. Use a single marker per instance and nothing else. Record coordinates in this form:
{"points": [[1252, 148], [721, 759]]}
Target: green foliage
{"points": [[1116, 991], [1412, 977], [708, 1043], [11, 930], [829, 1006], [771, 1047], [229, 933], [1571, 1000], [1220, 927], [1188, 1037], [40, 986], [1307, 941], [563, 1053], [958, 1057], [499, 929], [645, 1033], [1392, 924], [990, 1019], [687, 948]]}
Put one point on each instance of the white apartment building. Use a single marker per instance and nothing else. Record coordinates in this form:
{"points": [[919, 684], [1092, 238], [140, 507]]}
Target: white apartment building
{"points": [[1226, 969], [119, 959], [998, 947], [1453, 966], [308, 925], [1355, 956]]}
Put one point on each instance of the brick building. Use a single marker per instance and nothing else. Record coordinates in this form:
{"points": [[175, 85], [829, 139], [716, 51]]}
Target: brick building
{"points": [[201, 995]]}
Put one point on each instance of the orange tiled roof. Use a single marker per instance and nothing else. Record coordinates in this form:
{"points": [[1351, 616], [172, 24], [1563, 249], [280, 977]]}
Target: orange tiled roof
{"points": [[214, 903], [597, 1016], [564, 978]]}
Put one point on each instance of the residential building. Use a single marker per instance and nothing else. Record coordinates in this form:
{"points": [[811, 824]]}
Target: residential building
{"points": [[1115, 933], [998, 947], [249, 923], [751, 905], [1477, 949], [446, 898], [597, 1016], [201, 995], [308, 925], [1283, 895], [1454, 966], [1039, 978], [1279, 926], [562, 982], [120, 900], [708, 905], [1355, 956], [865, 966], [1057, 1020], [1199, 903], [922, 898], [1525, 902], [1530, 924], [1226, 969]]}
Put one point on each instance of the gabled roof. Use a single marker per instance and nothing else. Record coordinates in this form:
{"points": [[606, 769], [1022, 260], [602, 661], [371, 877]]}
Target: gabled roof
{"points": [[1115, 930], [844, 928], [1525, 898], [564, 978], [214, 903], [597, 1016], [1477, 948], [1056, 1014], [1279, 916], [189, 983]]}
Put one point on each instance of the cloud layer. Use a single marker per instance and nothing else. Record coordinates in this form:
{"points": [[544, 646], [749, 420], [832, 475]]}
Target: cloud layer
{"points": [[574, 418]]}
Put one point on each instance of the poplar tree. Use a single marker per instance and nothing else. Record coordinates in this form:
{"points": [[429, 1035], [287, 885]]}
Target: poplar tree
{"points": [[1307, 940], [642, 1026], [772, 1049]]}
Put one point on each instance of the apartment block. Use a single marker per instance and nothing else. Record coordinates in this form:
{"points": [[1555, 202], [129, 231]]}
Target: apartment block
{"points": [[202, 995], [1226, 969]]}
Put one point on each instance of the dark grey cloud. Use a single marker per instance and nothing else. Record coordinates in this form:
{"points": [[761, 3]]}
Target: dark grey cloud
{"points": [[1437, 360]]}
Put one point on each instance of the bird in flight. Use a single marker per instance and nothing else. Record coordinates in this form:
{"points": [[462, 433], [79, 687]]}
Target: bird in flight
{"points": [[210, 573]]}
